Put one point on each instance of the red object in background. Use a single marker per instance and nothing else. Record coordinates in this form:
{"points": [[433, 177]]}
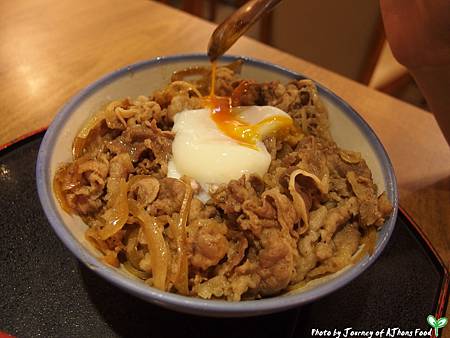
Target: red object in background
{"points": [[16, 140], [5, 335]]}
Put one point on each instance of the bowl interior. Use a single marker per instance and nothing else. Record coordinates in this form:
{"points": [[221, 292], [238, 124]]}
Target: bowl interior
{"points": [[348, 130]]}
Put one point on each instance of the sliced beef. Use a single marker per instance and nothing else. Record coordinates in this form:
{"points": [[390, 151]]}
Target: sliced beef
{"points": [[207, 243]]}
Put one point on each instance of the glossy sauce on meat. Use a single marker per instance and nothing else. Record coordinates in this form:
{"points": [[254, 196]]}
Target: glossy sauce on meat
{"points": [[314, 211], [223, 115]]}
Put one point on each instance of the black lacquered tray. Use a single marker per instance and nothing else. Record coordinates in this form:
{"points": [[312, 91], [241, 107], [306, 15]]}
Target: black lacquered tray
{"points": [[47, 292]]}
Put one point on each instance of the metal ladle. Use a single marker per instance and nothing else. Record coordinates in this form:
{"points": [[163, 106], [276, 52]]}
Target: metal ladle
{"points": [[230, 30]]}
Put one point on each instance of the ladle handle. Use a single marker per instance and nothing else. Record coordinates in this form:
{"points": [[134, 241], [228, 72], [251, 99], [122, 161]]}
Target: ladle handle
{"points": [[239, 22]]}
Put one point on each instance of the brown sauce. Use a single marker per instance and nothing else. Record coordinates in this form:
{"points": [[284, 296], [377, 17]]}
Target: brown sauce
{"points": [[224, 117]]}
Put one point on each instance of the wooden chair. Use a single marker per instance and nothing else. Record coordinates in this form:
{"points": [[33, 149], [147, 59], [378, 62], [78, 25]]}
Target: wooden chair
{"points": [[372, 59]]}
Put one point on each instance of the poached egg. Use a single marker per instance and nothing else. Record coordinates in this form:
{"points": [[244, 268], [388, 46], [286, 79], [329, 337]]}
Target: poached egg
{"points": [[214, 147]]}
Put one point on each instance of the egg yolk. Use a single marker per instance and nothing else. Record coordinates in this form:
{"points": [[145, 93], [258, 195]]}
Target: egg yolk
{"points": [[227, 121]]}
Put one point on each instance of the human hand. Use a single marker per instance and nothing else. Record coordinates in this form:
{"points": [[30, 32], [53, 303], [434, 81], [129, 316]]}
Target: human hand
{"points": [[418, 31]]}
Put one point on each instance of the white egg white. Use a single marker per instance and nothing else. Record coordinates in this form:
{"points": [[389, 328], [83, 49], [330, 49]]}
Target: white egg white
{"points": [[203, 152]]}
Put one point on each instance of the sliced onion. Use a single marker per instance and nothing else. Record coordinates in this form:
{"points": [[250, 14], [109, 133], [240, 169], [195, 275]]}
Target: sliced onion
{"points": [[322, 185], [159, 253], [80, 140], [181, 276], [180, 75], [184, 86], [138, 273], [91, 236], [117, 215], [91, 124], [350, 157], [109, 256], [58, 190], [299, 202], [367, 246]]}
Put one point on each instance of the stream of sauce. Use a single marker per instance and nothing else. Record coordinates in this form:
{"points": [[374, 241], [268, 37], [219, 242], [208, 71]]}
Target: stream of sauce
{"points": [[227, 121]]}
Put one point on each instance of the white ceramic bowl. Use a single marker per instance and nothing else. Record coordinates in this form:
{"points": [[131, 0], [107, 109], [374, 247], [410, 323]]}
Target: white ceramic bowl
{"points": [[348, 129]]}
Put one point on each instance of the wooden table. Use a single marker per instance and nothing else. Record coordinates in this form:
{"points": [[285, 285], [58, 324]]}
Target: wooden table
{"points": [[50, 49]]}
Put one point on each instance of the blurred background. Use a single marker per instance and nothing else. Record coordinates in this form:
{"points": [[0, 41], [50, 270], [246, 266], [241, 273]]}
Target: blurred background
{"points": [[344, 36]]}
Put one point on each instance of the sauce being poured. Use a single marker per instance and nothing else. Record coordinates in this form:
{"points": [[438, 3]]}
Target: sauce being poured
{"points": [[231, 125]]}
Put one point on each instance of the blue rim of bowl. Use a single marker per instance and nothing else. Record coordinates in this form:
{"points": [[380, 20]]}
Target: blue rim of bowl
{"points": [[190, 304]]}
